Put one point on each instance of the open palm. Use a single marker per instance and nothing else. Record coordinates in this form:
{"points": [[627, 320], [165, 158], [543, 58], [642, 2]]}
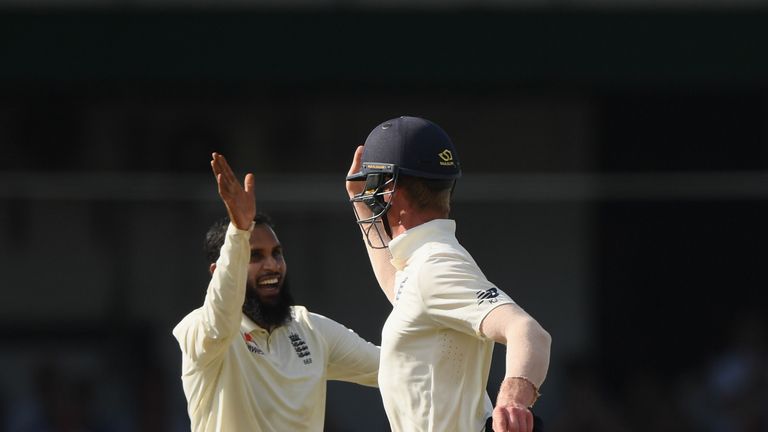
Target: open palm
{"points": [[240, 201]]}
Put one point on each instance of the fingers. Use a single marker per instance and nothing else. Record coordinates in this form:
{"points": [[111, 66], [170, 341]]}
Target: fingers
{"points": [[512, 419], [225, 177], [239, 200], [216, 165], [499, 423], [355, 187], [216, 162], [356, 161], [221, 166], [523, 423]]}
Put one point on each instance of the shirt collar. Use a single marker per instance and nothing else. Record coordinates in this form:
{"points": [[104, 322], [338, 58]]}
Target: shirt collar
{"points": [[248, 324], [404, 245]]}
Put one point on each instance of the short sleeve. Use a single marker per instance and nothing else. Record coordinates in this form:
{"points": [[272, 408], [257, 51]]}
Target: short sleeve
{"points": [[350, 357], [456, 294]]}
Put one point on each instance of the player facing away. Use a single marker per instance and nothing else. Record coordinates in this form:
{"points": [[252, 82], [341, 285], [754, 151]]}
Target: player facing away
{"points": [[251, 359], [437, 342]]}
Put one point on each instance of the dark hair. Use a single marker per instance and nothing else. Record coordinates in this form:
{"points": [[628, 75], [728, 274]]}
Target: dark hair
{"points": [[214, 238], [428, 194]]}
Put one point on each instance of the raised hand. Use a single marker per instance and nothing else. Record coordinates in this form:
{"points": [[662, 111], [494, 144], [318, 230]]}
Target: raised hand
{"points": [[355, 187], [240, 201]]}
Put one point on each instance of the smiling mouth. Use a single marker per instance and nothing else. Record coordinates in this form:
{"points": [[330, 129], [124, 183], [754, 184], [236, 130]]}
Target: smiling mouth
{"points": [[269, 283]]}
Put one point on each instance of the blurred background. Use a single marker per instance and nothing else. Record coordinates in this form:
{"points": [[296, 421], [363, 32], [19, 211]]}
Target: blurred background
{"points": [[615, 159]]}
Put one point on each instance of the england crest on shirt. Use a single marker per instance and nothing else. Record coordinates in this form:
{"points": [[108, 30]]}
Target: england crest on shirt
{"points": [[302, 350]]}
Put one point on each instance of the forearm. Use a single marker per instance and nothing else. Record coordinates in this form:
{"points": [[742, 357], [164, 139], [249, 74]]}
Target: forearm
{"points": [[527, 358], [527, 362], [226, 291], [383, 270], [201, 333], [380, 258]]}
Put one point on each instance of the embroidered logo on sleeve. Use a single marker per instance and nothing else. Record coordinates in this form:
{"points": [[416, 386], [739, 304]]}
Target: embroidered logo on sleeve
{"points": [[302, 350], [251, 344], [489, 295]]}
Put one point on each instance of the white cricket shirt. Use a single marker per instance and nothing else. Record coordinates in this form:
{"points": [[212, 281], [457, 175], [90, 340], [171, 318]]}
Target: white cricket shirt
{"points": [[434, 360], [239, 377]]}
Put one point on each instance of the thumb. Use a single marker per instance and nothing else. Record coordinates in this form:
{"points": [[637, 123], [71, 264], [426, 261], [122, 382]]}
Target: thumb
{"points": [[248, 183], [356, 161]]}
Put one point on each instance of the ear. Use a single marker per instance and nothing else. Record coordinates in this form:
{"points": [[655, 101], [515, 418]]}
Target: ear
{"points": [[400, 199], [212, 267]]}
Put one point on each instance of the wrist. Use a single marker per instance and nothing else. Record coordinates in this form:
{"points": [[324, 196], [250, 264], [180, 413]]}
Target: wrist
{"points": [[517, 390], [362, 210], [354, 189]]}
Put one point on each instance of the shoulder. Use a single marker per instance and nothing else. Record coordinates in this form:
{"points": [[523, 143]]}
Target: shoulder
{"points": [[436, 259], [303, 316], [319, 319], [447, 266], [299, 310], [188, 321], [324, 326], [300, 315]]}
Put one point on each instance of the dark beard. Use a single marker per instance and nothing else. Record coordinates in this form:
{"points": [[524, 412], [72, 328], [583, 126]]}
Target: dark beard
{"points": [[268, 315]]}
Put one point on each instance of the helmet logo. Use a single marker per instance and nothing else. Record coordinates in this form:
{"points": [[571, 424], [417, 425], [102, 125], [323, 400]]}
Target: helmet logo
{"points": [[447, 157]]}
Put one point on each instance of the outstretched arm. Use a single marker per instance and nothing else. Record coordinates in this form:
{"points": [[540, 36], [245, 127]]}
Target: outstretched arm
{"points": [[380, 258], [527, 361], [203, 334], [350, 357]]}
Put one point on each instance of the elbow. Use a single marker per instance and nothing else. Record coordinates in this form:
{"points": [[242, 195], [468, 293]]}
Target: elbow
{"points": [[540, 337], [543, 336]]}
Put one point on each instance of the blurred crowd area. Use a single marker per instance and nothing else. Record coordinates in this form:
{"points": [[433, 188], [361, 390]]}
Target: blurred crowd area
{"points": [[99, 391], [726, 391]]}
